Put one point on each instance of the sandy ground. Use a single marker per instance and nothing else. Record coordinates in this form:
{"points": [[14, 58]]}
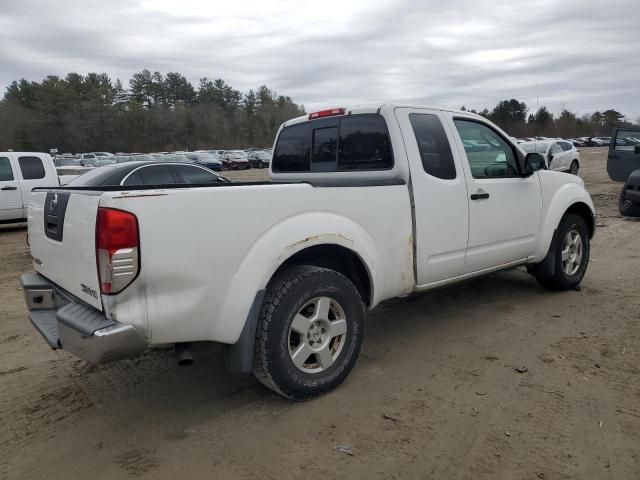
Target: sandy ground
{"points": [[435, 394]]}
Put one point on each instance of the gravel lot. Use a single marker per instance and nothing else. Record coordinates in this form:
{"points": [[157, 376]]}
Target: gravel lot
{"points": [[434, 395]]}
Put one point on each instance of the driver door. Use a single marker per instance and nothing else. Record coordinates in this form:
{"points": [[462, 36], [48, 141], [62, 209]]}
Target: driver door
{"points": [[505, 207]]}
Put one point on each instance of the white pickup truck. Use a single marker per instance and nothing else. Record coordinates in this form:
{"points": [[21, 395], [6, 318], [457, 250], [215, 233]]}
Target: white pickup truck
{"points": [[19, 173], [365, 204]]}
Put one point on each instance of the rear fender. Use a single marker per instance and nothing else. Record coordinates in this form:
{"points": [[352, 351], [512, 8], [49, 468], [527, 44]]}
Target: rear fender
{"points": [[284, 240]]}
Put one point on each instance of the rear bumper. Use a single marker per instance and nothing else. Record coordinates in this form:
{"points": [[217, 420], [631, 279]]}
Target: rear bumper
{"points": [[66, 323]]}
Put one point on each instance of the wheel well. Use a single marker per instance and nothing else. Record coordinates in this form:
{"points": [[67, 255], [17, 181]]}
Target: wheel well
{"points": [[582, 209], [337, 258]]}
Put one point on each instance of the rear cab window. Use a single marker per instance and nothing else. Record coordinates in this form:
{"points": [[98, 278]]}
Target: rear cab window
{"points": [[347, 143]]}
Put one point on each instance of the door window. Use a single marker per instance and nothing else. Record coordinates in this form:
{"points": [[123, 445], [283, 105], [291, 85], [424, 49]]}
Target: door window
{"points": [[489, 155], [31, 168], [196, 175], [565, 146], [555, 149], [626, 140], [433, 145], [153, 175], [6, 174]]}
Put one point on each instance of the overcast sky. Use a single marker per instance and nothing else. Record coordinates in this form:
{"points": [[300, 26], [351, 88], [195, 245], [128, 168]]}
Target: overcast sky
{"points": [[583, 54]]}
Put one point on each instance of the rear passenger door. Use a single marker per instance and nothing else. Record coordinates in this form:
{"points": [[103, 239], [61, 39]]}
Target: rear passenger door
{"points": [[439, 195]]}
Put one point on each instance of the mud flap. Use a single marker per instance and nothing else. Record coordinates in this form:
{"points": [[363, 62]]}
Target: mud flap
{"points": [[547, 267], [239, 356]]}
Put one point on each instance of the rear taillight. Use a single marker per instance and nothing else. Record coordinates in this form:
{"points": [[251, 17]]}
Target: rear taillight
{"points": [[117, 249]]}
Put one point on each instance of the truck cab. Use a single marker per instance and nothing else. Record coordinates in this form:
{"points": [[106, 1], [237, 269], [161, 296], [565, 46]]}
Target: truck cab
{"points": [[20, 172]]}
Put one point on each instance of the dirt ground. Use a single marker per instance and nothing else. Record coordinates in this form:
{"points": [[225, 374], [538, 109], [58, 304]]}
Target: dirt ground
{"points": [[435, 394]]}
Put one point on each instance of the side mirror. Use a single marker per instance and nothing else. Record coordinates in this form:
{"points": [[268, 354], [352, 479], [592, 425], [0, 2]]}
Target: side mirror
{"points": [[534, 162], [550, 157], [636, 150]]}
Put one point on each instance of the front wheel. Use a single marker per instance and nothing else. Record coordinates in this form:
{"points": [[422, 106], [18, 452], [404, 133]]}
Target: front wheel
{"points": [[627, 207], [568, 256], [310, 332]]}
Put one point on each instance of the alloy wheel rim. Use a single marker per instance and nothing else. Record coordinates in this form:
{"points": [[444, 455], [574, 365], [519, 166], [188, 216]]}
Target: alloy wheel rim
{"points": [[572, 252], [317, 335]]}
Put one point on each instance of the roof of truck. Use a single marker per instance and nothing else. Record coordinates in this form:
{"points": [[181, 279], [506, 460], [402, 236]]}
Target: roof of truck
{"points": [[375, 108]]}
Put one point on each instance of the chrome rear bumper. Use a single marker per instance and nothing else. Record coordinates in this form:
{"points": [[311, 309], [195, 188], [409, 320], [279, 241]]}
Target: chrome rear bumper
{"points": [[66, 323]]}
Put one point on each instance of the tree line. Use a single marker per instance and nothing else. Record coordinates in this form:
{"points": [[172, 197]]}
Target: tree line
{"points": [[156, 112], [83, 113], [515, 118]]}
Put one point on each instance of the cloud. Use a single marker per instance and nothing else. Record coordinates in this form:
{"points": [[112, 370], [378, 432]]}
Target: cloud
{"points": [[582, 55]]}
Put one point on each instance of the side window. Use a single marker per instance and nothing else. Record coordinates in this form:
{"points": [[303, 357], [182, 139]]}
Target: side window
{"points": [[364, 143], [626, 140], [6, 173], [153, 175], [196, 175], [566, 146], [31, 168], [433, 146], [555, 148], [292, 152], [489, 155]]}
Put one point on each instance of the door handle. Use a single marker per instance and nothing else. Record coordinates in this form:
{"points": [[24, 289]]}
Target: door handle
{"points": [[479, 195], [8, 187]]}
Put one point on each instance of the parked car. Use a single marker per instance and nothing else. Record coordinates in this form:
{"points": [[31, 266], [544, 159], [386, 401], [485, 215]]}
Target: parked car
{"points": [[66, 162], [103, 154], [104, 160], [209, 159], [576, 142], [19, 173], [604, 140], [235, 160], [87, 159], [623, 165], [560, 155], [283, 273], [137, 173], [259, 159]]}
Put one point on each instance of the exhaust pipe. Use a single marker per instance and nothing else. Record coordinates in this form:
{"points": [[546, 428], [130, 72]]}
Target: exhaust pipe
{"points": [[184, 355]]}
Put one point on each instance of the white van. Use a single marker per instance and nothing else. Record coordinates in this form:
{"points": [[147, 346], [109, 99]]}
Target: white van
{"points": [[19, 173]]}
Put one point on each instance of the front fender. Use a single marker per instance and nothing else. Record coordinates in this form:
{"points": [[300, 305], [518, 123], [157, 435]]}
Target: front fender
{"points": [[558, 195], [283, 240]]}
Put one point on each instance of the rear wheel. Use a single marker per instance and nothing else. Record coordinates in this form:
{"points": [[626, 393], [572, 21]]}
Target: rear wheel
{"points": [[310, 332], [575, 166], [569, 253], [627, 207]]}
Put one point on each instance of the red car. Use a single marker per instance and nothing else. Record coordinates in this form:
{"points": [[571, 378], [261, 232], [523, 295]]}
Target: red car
{"points": [[235, 160]]}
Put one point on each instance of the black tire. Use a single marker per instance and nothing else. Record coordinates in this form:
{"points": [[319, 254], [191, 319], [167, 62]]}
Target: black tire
{"points": [[550, 273], [575, 166], [286, 296], [626, 207]]}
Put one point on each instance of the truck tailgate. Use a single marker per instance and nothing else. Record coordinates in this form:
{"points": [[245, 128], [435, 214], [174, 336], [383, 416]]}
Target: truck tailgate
{"points": [[62, 226]]}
